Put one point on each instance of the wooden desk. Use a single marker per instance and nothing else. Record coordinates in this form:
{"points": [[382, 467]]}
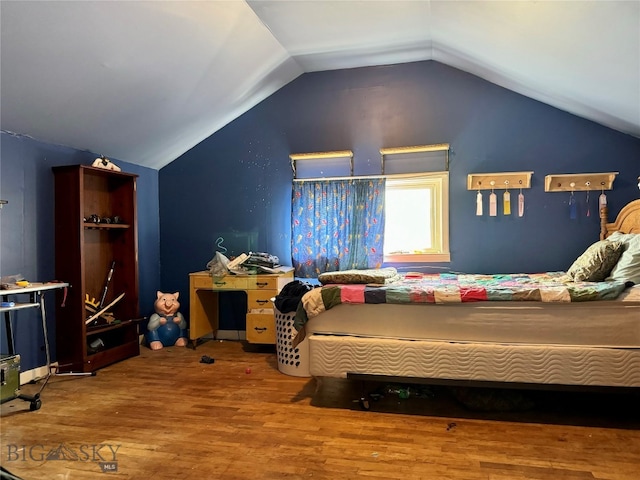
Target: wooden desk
{"points": [[203, 300]]}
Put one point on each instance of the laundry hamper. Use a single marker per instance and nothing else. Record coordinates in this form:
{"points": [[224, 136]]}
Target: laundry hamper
{"points": [[291, 360]]}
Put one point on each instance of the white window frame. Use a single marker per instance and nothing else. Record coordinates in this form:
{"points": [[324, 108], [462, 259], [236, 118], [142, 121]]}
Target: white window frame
{"points": [[438, 183]]}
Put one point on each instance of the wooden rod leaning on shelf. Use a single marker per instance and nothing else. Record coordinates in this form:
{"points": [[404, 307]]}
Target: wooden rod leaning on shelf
{"points": [[499, 180], [575, 182], [294, 157]]}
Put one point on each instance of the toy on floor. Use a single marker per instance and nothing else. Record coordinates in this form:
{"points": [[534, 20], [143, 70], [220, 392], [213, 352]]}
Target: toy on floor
{"points": [[167, 327]]}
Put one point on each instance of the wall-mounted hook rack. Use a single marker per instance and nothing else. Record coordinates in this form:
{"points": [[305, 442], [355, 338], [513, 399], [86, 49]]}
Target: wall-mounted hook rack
{"points": [[576, 182], [500, 180]]}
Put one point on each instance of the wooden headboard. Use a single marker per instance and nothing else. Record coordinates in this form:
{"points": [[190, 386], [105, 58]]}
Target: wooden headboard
{"points": [[627, 221]]}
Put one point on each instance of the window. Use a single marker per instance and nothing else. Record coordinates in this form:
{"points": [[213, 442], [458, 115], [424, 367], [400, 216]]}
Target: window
{"points": [[417, 218], [407, 223]]}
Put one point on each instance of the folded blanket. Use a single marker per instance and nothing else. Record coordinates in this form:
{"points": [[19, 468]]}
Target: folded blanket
{"points": [[378, 276]]}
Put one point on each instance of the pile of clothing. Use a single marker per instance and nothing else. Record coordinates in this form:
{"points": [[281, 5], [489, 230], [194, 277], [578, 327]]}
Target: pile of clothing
{"points": [[290, 295]]}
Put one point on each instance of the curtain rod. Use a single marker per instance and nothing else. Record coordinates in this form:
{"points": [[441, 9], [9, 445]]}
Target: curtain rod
{"points": [[365, 177]]}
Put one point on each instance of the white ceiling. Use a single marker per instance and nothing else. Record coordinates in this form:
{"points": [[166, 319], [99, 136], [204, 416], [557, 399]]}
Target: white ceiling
{"points": [[144, 81]]}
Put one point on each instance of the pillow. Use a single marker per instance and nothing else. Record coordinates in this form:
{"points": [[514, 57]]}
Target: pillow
{"points": [[628, 267], [381, 276], [595, 264]]}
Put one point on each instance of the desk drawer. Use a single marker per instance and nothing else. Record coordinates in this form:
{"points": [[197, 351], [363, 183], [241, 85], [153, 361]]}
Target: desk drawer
{"points": [[260, 298], [239, 282], [228, 282], [262, 282], [201, 281], [261, 328]]}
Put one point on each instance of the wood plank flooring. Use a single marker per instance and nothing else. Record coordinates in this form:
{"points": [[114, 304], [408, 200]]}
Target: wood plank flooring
{"points": [[166, 416]]}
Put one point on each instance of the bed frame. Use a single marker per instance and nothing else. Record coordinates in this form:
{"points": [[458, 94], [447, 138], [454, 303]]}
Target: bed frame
{"points": [[486, 363], [628, 220]]}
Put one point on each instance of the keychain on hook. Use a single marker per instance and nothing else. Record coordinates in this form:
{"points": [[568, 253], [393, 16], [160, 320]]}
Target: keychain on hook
{"points": [[521, 201], [602, 200], [493, 202], [506, 199]]}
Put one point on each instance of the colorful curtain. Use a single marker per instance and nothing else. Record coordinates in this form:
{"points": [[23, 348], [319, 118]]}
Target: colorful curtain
{"points": [[337, 225]]}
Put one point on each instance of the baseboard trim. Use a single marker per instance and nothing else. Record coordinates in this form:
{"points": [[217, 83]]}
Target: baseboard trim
{"points": [[36, 374]]}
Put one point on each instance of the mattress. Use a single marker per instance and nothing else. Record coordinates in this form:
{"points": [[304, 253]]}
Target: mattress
{"points": [[603, 323]]}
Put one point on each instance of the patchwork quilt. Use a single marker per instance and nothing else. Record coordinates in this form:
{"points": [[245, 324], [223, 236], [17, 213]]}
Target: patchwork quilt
{"points": [[457, 288]]}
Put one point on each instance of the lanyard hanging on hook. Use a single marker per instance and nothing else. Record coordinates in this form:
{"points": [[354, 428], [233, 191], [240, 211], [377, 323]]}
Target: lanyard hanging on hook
{"points": [[588, 184], [573, 209]]}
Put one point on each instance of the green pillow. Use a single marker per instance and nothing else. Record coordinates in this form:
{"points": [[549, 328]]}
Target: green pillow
{"points": [[628, 267], [595, 264]]}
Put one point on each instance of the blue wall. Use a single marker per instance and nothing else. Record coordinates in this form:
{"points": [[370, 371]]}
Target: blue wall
{"points": [[239, 179], [27, 230]]}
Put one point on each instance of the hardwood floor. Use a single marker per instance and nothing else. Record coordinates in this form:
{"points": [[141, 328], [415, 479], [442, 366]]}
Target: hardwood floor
{"points": [[166, 416]]}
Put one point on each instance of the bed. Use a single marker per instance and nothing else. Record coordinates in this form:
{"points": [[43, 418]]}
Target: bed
{"points": [[579, 328]]}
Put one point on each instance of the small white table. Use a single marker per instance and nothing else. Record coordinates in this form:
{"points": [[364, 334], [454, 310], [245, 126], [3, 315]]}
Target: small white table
{"points": [[10, 301]]}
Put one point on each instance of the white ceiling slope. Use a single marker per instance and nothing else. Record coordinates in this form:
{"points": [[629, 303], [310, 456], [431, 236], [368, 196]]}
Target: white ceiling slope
{"points": [[144, 82]]}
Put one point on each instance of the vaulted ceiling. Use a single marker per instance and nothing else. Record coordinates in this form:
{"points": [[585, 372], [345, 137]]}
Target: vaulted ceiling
{"points": [[144, 81]]}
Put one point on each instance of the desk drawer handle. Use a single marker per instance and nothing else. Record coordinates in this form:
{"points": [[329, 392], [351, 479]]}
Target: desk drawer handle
{"points": [[220, 284], [260, 329], [261, 284], [262, 302]]}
